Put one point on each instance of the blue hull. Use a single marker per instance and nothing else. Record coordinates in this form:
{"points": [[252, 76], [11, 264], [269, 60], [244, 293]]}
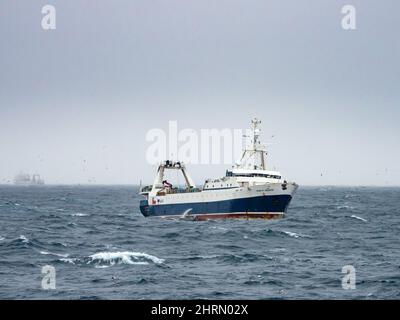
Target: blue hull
{"points": [[226, 208]]}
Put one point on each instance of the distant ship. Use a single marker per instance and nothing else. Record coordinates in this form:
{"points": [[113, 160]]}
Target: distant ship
{"points": [[247, 191], [23, 179]]}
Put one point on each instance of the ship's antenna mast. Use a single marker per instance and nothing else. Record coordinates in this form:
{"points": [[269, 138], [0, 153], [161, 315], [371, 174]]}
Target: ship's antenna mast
{"points": [[253, 149], [256, 143], [254, 124]]}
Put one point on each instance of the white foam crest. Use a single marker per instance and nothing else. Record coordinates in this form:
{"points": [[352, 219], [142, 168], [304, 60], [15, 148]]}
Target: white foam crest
{"points": [[345, 207], [124, 257], [68, 260], [64, 255], [358, 218], [2, 238], [219, 228], [296, 235], [102, 267], [23, 238], [78, 214]]}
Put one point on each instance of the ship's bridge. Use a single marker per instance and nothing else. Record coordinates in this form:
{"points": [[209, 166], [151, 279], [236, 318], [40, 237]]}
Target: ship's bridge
{"points": [[252, 175]]}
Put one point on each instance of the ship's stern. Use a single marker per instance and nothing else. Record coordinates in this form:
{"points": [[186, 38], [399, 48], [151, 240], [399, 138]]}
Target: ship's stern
{"points": [[144, 207]]}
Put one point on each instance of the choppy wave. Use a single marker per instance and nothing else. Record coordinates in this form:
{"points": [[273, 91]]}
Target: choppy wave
{"points": [[301, 254], [296, 235], [23, 239], [78, 214], [345, 207], [358, 218], [278, 250], [219, 228], [123, 257], [202, 257], [64, 255], [69, 260]]}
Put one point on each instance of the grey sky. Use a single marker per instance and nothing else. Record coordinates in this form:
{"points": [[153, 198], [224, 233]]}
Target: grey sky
{"points": [[76, 102]]}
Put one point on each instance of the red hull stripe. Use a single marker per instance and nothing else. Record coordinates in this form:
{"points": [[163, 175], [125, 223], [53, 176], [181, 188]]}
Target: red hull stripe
{"points": [[202, 217]]}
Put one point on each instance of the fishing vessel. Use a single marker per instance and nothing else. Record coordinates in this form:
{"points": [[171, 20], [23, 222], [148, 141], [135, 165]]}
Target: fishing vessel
{"points": [[248, 190], [24, 179]]}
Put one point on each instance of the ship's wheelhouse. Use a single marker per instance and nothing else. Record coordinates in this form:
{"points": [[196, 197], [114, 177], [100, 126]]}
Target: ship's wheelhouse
{"points": [[254, 176], [270, 175]]}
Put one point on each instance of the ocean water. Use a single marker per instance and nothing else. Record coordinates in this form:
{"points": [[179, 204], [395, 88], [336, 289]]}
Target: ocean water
{"points": [[102, 247]]}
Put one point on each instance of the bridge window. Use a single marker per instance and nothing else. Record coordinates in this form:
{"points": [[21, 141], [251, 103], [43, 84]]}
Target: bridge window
{"points": [[254, 175]]}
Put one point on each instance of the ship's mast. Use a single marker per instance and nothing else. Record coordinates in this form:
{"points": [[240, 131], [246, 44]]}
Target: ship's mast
{"points": [[256, 149], [256, 142]]}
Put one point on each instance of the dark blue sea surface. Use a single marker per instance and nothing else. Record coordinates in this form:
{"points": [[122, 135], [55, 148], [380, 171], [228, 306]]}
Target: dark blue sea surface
{"points": [[103, 248]]}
